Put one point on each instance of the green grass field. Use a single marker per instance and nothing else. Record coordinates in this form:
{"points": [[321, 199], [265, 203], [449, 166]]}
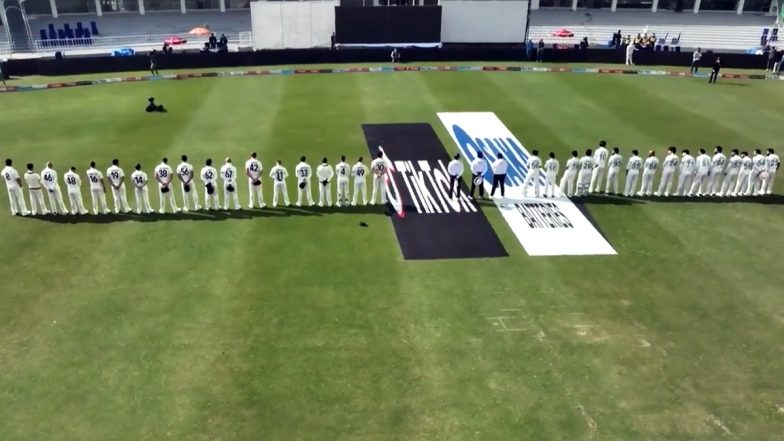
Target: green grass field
{"points": [[299, 325]]}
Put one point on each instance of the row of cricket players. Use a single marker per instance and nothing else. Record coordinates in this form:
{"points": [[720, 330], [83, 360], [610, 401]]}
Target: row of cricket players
{"points": [[47, 182], [737, 175]]}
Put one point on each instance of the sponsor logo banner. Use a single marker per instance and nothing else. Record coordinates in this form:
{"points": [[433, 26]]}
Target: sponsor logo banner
{"points": [[545, 227], [429, 224]]}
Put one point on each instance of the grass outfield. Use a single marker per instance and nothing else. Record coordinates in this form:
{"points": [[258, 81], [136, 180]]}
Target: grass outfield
{"points": [[299, 325]]}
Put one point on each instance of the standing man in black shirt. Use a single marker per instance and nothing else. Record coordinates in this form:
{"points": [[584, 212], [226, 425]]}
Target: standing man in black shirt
{"points": [[715, 72], [154, 62]]}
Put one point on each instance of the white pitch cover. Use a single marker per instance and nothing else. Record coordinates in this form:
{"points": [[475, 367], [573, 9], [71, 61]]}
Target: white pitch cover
{"points": [[544, 226]]}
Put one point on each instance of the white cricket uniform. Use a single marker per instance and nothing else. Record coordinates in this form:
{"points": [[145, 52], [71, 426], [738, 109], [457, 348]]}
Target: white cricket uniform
{"points": [[567, 180], [359, 171], [36, 189], [669, 166], [210, 176], [163, 174], [648, 176], [685, 175], [773, 162], [73, 184], [15, 195], [97, 193], [551, 173], [600, 160], [379, 169], [115, 175], [632, 173], [532, 177], [343, 171], [279, 175], [613, 168], [717, 173], [185, 172], [229, 175], [324, 174], [303, 173], [731, 175], [253, 169], [699, 186], [49, 180], [584, 178], [746, 166], [141, 192], [755, 177]]}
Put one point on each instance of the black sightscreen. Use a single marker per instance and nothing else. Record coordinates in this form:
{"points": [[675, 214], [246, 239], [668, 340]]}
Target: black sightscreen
{"points": [[399, 24]]}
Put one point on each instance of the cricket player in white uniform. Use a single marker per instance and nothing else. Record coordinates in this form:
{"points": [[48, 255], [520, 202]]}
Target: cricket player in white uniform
{"points": [[773, 163], [279, 175], [704, 164], [186, 177], [718, 162], [532, 177], [567, 180], [36, 189], [140, 190], [253, 170], [379, 169], [633, 167], [116, 177], [343, 170], [755, 177], [73, 184], [685, 173], [746, 166], [600, 160], [210, 178], [324, 174], [551, 174], [731, 174], [359, 171], [49, 180], [164, 175], [97, 189], [14, 185], [303, 173], [229, 175], [648, 174], [669, 166], [613, 169], [586, 170]]}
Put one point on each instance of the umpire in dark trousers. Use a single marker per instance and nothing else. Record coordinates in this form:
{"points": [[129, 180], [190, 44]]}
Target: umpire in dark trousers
{"points": [[499, 167], [715, 72], [455, 170]]}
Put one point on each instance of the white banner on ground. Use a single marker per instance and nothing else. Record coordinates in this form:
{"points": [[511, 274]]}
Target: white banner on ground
{"points": [[544, 226]]}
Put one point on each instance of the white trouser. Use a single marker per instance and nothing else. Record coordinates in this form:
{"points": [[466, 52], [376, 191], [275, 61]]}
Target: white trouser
{"points": [[75, 200], [99, 201], [714, 182], [37, 204], [211, 200], [342, 195], [742, 184], [17, 201], [665, 183], [255, 194], [120, 199], [325, 194], [728, 185], [379, 185], [684, 183], [596, 179], [142, 200], [754, 183], [192, 194], [567, 183], [612, 181], [230, 195], [631, 182], [56, 200], [629, 60], [279, 190], [359, 186], [170, 197], [646, 184], [583, 182], [698, 186], [303, 192], [549, 184], [767, 185], [532, 177]]}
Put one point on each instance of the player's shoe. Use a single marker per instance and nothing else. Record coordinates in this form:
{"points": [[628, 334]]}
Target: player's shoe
{"points": [[656, 194], [320, 204], [288, 204], [353, 204], [298, 204], [666, 195], [184, 209]]}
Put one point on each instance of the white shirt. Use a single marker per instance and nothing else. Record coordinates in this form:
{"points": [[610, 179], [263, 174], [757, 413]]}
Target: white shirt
{"points": [[379, 166], [687, 165], [703, 164], [10, 175], [696, 55], [747, 164], [552, 166], [343, 170], [324, 172], [455, 167], [228, 173], [719, 160], [33, 180], [634, 165], [630, 49], [499, 166], [572, 165], [279, 173], [773, 162], [760, 164], [651, 164], [115, 173], [253, 168], [478, 166], [600, 157], [72, 181], [615, 161], [139, 178], [164, 173], [209, 175], [94, 176], [185, 170], [303, 171], [49, 178], [734, 166], [534, 163], [670, 163], [359, 171], [586, 164]]}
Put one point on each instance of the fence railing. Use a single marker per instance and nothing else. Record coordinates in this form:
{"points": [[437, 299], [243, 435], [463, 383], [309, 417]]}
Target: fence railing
{"points": [[5, 47], [133, 41]]}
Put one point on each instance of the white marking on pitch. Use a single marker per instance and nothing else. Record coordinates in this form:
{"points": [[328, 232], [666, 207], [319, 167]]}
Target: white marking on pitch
{"points": [[500, 321], [644, 343], [592, 426], [717, 422]]}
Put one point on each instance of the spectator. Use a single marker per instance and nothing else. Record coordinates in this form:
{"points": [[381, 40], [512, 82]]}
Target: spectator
{"points": [[395, 55], [771, 58], [223, 43], [154, 62], [213, 41], [2, 75], [540, 51], [529, 50], [695, 61], [332, 40], [584, 43], [638, 40], [619, 40]]}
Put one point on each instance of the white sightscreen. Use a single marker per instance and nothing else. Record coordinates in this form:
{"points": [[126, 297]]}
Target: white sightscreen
{"points": [[483, 21], [292, 25]]}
